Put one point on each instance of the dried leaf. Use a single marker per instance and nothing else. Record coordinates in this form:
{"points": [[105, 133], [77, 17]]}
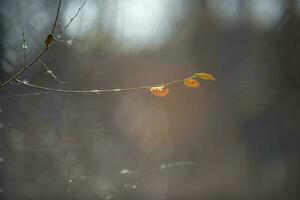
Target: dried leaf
{"points": [[191, 83], [49, 40], [160, 91], [204, 76]]}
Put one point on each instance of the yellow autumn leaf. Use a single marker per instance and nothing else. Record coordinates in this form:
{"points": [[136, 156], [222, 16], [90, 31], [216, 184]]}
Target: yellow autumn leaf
{"points": [[160, 91], [191, 83], [204, 76]]}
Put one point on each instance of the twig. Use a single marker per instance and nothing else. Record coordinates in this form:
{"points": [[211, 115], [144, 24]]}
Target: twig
{"points": [[50, 72], [56, 17], [21, 71], [71, 20], [98, 91], [26, 66], [48, 42], [48, 90], [24, 45]]}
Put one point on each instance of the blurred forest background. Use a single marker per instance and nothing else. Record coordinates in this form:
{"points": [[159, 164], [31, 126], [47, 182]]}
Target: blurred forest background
{"points": [[236, 138]]}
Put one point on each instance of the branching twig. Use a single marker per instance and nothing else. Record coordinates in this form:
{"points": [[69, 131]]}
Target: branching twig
{"points": [[48, 42], [50, 72], [24, 46], [21, 71], [98, 91], [50, 39], [59, 35], [26, 66], [47, 90], [93, 91]]}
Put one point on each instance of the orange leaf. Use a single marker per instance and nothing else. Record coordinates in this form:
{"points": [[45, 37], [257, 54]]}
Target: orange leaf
{"points": [[204, 76], [191, 83], [160, 91]]}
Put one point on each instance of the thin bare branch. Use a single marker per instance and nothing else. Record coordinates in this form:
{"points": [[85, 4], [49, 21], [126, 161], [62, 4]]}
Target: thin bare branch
{"points": [[24, 45], [21, 71], [57, 90], [50, 72], [26, 66], [98, 91], [71, 20], [56, 17]]}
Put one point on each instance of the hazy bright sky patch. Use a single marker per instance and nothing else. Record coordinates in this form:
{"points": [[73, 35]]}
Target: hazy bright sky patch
{"points": [[266, 13], [84, 21]]}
